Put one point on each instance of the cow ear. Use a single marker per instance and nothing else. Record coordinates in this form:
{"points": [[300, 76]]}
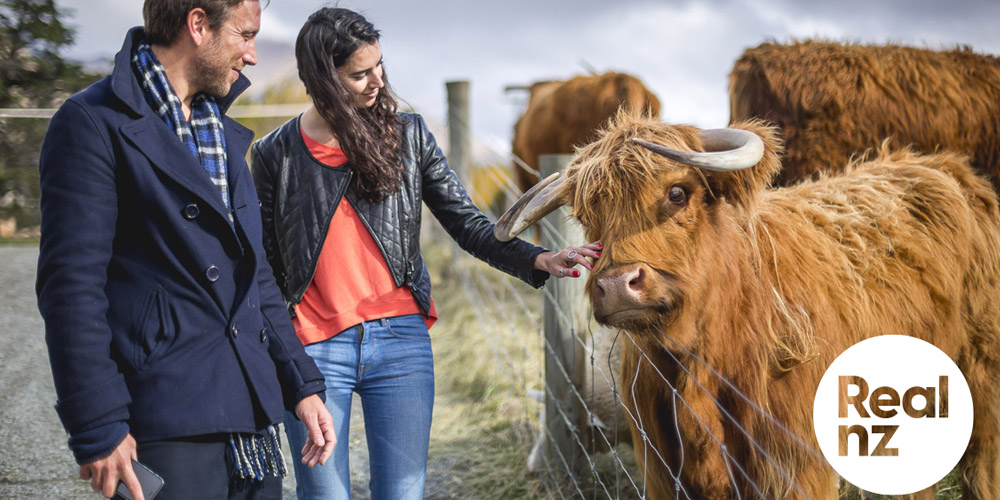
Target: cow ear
{"points": [[741, 187]]}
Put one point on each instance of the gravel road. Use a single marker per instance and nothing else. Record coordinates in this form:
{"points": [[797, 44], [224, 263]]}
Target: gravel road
{"points": [[35, 462]]}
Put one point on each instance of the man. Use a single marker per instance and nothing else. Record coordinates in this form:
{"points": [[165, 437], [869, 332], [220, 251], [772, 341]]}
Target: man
{"points": [[168, 339]]}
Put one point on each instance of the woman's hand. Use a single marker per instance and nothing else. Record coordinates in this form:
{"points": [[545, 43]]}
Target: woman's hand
{"points": [[560, 264]]}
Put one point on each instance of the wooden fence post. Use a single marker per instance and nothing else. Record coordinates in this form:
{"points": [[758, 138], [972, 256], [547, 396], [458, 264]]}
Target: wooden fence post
{"points": [[459, 134], [566, 315], [459, 139]]}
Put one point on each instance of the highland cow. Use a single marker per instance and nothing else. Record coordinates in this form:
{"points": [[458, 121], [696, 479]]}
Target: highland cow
{"points": [[834, 100], [737, 296], [562, 115]]}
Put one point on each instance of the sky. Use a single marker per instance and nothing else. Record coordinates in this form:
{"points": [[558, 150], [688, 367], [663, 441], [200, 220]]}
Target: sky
{"points": [[682, 50]]}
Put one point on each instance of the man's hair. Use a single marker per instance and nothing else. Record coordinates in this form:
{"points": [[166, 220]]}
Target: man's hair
{"points": [[370, 137], [165, 19]]}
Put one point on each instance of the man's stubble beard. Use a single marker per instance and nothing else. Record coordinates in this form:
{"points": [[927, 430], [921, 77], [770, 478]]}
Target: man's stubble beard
{"points": [[211, 71]]}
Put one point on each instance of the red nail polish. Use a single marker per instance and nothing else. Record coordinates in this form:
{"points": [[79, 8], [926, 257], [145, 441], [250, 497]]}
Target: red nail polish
{"points": [[600, 245], [576, 274], [598, 254]]}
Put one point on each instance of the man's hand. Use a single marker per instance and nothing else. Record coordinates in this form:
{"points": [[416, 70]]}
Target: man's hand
{"points": [[319, 427], [105, 473]]}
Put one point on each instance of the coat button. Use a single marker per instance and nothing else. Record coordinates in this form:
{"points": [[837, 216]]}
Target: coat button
{"points": [[212, 273], [191, 211], [236, 331], [263, 335]]}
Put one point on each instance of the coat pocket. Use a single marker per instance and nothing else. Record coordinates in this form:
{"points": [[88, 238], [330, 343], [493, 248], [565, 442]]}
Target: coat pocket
{"points": [[155, 332]]}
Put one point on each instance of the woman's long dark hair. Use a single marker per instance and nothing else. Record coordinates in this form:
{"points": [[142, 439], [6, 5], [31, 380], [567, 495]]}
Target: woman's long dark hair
{"points": [[370, 137]]}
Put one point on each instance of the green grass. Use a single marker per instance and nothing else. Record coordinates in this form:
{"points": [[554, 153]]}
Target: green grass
{"points": [[20, 241]]}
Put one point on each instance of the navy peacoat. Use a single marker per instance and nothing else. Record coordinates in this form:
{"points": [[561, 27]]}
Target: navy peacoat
{"points": [[159, 313]]}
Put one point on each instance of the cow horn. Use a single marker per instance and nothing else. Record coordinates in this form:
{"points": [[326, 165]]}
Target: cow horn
{"points": [[726, 149], [534, 204]]}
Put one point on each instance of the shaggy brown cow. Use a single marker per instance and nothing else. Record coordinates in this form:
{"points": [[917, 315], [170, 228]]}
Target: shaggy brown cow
{"points": [[832, 100], [564, 114], [767, 287]]}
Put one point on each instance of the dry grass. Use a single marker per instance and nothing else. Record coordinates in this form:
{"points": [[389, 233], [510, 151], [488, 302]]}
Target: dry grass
{"points": [[488, 352], [483, 420]]}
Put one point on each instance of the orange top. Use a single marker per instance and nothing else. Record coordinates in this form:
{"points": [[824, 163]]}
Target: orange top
{"points": [[352, 282]]}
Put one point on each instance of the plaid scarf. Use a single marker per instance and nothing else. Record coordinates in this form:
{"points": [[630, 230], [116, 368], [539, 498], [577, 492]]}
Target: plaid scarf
{"points": [[203, 136]]}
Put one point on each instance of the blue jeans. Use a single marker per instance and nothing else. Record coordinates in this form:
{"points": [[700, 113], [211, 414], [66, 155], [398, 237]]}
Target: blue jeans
{"points": [[388, 362]]}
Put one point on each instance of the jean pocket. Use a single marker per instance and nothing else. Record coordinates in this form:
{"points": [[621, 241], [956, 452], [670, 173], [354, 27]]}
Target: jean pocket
{"points": [[411, 326]]}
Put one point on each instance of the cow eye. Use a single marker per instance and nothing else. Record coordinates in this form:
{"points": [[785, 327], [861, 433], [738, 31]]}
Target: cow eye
{"points": [[677, 195]]}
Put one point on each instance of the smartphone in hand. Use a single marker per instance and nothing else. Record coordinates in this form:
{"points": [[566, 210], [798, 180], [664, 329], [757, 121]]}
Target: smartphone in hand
{"points": [[150, 481]]}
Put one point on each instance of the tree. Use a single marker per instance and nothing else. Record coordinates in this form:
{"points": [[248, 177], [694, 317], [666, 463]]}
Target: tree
{"points": [[32, 75]]}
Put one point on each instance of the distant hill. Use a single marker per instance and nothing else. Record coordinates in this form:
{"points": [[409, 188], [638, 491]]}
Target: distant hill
{"points": [[100, 65], [275, 63]]}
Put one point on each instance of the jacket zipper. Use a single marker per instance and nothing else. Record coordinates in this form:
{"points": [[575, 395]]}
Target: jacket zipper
{"points": [[379, 243], [404, 230], [322, 240]]}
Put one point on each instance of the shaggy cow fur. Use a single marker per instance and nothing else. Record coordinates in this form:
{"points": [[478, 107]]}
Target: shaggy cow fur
{"points": [[833, 100], [768, 286], [562, 115]]}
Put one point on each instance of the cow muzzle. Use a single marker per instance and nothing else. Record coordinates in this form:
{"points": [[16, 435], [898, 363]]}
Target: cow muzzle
{"points": [[629, 297]]}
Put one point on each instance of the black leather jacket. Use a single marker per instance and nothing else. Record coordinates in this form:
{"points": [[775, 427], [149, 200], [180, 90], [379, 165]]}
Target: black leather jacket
{"points": [[299, 195]]}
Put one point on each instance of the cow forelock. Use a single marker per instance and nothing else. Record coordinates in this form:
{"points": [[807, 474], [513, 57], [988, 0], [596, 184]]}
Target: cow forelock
{"points": [[614, 181]]}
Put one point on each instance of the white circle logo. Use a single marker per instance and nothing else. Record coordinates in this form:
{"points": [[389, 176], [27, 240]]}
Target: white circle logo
{"points": [[893, 415]]}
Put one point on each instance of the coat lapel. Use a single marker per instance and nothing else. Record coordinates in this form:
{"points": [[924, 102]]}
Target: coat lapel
{"points": [[241, 190], [160, 145], [238, 140]]}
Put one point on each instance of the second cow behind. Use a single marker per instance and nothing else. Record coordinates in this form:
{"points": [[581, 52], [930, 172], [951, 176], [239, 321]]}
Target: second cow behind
{"points": [[563, 115]]}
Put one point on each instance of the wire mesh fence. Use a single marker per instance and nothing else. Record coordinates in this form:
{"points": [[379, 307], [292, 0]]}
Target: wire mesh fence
{"points": [[698, 428]]}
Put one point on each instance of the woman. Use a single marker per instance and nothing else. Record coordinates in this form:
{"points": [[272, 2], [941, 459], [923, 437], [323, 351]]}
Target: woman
{"points": [[341, 188]]}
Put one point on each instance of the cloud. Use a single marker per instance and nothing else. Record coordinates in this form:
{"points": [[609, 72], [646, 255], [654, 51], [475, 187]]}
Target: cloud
{"points": [[274, 27], [682, 49], [100, 25]]}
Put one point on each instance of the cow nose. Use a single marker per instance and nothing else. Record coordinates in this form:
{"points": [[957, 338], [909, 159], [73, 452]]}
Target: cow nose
{"points": [[636, 280], [625, 285]]}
